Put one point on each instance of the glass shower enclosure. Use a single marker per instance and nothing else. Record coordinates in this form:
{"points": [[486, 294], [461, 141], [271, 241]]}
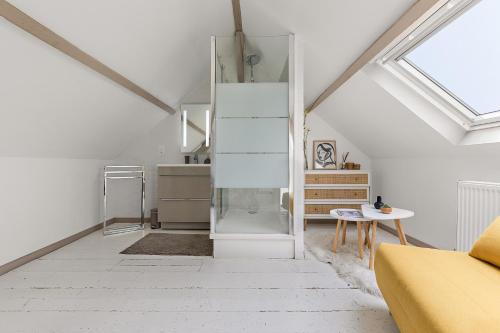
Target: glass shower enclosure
{"points": [[252, 138]]}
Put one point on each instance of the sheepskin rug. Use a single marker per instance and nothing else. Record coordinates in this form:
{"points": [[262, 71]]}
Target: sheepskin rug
{"points": [[347, 264]]}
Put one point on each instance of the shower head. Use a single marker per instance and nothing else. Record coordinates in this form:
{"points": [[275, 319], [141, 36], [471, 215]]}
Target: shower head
{"points": [[253, 59]]}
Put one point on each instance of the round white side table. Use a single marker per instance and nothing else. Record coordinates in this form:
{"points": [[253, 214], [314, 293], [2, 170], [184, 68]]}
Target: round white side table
{"points": [[360, 222], [375, 215]]}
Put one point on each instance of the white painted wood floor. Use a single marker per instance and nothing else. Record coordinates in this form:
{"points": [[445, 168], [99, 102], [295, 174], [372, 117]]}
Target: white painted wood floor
{"points": [[88, 286]]}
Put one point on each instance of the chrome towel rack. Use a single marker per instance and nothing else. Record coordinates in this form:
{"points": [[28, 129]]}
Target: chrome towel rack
{"points": [[121, 172]]}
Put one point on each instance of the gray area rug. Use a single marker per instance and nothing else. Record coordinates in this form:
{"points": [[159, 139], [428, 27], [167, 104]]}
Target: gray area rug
{"points": [[172, 245]]}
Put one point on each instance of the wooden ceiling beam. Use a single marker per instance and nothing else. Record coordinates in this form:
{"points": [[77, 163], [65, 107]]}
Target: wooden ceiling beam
{"points": [[240, 55], [411, 16], [30, 25], [238, 25], [239, 41]]}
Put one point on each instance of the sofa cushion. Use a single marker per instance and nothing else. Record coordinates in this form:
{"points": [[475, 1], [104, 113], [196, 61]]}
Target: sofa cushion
{"points": [[487, 247], [438, 291]]}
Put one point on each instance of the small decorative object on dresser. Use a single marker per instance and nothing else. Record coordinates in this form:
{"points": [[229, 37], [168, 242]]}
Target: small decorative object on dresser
{"points": [[348, 165], [344, 160], [326, 190], [324, 154]]}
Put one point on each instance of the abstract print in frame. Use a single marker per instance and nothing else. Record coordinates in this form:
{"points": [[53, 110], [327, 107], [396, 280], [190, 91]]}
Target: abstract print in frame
{"points": [[324, 154]]}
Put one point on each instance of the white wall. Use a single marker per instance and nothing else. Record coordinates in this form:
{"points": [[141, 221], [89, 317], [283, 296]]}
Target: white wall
{"points": [[59, 123], [321, 130], [413, 165], [161, 145], [419, 159], [428, 185], [45, 200]]}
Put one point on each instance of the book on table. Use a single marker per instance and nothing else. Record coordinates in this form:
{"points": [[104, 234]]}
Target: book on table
{"points": [[350, 213]]}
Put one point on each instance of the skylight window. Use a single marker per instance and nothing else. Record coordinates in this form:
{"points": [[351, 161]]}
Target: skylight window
{"points": [[456, 55]]}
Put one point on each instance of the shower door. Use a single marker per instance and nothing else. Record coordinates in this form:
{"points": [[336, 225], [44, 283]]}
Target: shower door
{"points": [[251, 138]]}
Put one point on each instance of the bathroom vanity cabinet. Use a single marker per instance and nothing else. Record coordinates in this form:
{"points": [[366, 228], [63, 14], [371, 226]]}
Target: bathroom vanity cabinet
{"points": [[184, 196]]}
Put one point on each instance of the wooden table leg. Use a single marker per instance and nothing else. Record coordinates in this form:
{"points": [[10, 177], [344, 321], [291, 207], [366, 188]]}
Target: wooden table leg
{"points": [[367, 227], [336, 238], [360, 240], [367, 234], [374, 242], [344, 231], [401, 233]]}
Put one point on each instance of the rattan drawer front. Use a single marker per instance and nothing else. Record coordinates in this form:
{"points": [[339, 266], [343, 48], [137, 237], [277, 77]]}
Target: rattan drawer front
{"points": [[358, 178], [322, 194], [325, 209], [314, 209]]}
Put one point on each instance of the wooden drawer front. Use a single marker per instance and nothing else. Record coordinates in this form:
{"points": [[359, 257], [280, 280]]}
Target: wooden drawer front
{"points": [[325, 209], [358, 178], [357, 194], [183, 187], [184, 211]]}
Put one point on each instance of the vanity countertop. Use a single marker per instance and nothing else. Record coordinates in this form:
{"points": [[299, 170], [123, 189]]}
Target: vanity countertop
{"points": [[183, 165], [184, 170]]}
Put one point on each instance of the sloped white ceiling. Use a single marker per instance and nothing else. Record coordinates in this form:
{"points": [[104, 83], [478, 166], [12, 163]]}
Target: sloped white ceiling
{"points": [[54, 106], [334, 32], [161, 45], [382, 127]]}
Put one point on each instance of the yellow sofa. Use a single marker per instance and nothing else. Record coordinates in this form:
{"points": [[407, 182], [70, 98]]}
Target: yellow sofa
{"points": [[435, 291]]}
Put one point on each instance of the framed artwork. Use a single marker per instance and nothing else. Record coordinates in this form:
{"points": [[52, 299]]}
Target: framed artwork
{"points": [[324, 154]]}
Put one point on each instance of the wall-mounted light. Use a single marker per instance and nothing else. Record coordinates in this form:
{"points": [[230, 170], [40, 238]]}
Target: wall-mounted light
{"points": [[207, 127], [184, 128]]}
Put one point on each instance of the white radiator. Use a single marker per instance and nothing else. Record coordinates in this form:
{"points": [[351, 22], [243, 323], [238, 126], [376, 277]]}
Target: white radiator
{"points": [[478, 206]]}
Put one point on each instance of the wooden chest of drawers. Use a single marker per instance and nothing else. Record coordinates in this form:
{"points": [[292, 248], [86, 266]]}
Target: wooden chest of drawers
{"points": [[327, 190]]}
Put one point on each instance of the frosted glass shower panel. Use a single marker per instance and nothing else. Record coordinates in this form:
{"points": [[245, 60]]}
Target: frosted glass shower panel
{"points": [[252, 99], [252, 135], [251, 171]]}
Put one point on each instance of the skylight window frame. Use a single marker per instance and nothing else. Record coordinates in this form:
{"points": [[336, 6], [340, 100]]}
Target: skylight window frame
{"points": [[394, 60]]}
